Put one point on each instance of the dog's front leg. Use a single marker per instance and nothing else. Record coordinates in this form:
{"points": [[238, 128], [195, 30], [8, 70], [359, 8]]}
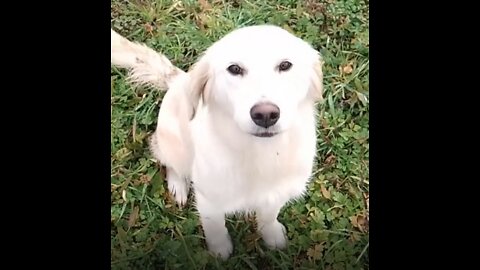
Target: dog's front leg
{"points": [[212, 218], [271, 230]]}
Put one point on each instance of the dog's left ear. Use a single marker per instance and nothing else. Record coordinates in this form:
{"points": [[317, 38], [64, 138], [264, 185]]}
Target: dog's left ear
{"points": [[198, 87], [316, 87]]}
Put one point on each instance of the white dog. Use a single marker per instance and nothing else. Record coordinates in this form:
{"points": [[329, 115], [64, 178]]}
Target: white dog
{"points": [[241, 124]]}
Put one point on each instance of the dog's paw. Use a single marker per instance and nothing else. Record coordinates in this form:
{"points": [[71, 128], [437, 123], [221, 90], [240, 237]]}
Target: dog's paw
{"points": [[179, 192], [274, 235], [178, 188], [221, 247]]}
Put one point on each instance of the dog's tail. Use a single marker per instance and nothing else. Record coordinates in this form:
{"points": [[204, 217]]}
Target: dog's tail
{"points": [[145, 66]]}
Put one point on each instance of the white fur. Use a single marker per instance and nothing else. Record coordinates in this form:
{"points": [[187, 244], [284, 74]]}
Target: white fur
{"points": [[205, 131]]}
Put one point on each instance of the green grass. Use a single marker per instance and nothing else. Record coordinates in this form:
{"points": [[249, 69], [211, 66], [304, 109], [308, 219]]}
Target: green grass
{"points": [[328, 229]]}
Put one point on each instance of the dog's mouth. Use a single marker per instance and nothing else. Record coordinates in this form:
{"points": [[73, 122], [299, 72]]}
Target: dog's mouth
{"points": [[265, 134]]}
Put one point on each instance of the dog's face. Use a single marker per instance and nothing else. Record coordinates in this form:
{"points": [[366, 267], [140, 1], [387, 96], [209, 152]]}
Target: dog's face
{"points": [[260, 77]]}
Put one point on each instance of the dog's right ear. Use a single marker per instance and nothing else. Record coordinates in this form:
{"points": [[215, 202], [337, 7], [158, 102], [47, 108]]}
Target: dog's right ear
{"points": [[199, 84]]}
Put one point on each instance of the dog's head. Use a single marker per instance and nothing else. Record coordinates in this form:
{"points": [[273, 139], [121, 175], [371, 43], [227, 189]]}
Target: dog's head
{"points": [[260, 76]]}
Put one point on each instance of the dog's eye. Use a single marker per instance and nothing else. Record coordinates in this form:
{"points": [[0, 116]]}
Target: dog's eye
{"points": [[235, 70], [284, 66]]}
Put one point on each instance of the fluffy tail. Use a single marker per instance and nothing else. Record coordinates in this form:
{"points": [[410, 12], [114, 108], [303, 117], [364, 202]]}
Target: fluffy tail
{"points": [[145, 66]]}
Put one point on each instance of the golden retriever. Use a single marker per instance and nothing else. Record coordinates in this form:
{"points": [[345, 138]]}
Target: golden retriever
{"points": [[239, 127]]}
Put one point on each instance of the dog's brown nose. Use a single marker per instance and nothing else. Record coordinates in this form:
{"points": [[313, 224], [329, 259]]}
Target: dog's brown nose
{"points": [[265, 114]]}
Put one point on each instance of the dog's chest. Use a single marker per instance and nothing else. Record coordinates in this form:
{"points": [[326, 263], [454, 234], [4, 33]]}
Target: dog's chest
{"points": [[259, 174]]}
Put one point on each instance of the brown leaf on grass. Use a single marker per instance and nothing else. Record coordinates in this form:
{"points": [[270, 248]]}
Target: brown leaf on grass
{"points": [[338, 183], [313, 7], [325, 192], [133, 217], [144, 179], [204, 5], [201, 17], [148, 28], [316, 252], [330, 159], [347, 69], [360, 222], [201, 21]]}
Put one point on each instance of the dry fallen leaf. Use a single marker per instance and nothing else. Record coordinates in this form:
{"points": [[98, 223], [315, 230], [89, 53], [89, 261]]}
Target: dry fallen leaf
{"points": [[145, 179], [201, 20], [204, 5], [360, 221], [325, 192], [148, 28], [330, 159], [348, 68], [316, 252], [133, 217]]}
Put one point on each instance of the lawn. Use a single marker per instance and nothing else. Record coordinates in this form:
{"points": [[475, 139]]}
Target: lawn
{"points": [[328, 229]]}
